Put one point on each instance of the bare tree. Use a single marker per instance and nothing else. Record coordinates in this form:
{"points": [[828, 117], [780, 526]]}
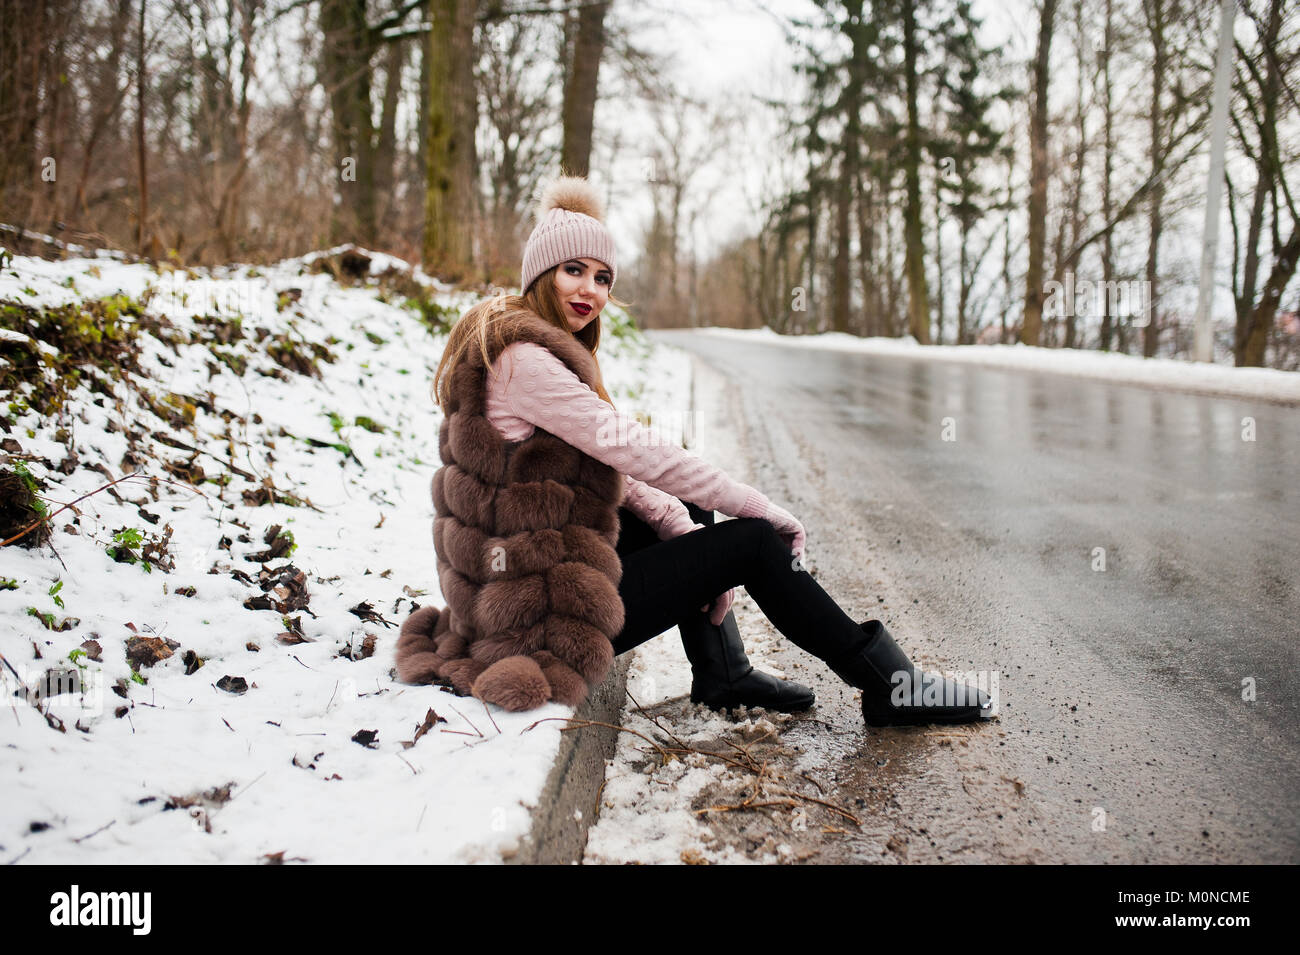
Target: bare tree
{"points": [[515, 79], [1261, 90], [918, 308], [33, 38], [674, 159], [580, 88], [1032, 323], [450, 204], [1108, 170]]}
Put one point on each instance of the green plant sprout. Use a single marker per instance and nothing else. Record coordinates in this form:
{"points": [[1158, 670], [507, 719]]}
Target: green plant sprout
{"points": [[30, 480], [46, 619], [125, 544]]}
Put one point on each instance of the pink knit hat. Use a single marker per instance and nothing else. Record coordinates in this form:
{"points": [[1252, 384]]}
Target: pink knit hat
{"points": [[569, 226]]}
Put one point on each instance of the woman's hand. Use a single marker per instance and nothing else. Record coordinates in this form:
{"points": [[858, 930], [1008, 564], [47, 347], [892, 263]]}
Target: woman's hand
{"points": [[757, 504], [720, 607], [788, 527]]}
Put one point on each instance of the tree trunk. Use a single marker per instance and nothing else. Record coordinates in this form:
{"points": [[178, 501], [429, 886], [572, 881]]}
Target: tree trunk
{"points": [[850, 152], [422, 110], [56, 123], [1031, 327], [1080, 157], [107, 97], [345, 70], [1250, 338], [871, 297], [450, 189], [964, 280], [918, 296], [142, 226], [1253, 348], [581, 88], [386, 148], [810, 255], [1156, 26], [1005, 336], [228, 218], [1108, 165], [841, 283], [939, 310], [893, 287], [22, 51]]}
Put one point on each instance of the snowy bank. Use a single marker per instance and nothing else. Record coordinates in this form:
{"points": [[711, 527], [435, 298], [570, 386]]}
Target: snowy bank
{"points": [[1264, 383]]}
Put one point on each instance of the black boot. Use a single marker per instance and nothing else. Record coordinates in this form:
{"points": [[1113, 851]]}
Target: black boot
{"points": [[723, 677], [896, 693]]}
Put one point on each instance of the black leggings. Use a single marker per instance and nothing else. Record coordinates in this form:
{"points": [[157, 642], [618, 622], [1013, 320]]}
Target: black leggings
{"points": [[667, 582]]}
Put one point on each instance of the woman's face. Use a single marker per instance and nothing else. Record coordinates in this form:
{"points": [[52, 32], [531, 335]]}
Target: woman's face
{"points": [[581, 282]]}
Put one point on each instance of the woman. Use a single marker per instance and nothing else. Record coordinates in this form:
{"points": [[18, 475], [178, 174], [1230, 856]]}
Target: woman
{"points": [[562, 535]]}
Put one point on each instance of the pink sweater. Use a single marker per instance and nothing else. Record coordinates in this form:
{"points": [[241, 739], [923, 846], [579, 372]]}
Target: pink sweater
{"points": [[529, 387]]}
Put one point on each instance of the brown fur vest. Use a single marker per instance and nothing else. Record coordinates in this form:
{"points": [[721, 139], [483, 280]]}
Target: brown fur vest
{"points": [[524, 534]]}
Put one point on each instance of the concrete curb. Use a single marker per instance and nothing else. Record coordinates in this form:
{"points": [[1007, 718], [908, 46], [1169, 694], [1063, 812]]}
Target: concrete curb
{"points": [[567, 805]]}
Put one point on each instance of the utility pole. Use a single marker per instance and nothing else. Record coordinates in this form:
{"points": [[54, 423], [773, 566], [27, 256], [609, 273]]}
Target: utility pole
{"points": [[1214, 190]]}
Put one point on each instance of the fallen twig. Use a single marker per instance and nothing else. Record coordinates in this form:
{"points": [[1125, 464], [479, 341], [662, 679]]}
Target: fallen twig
{"points": [[248, 787], [49, 517], [96, 832], [467, 720], [168, 440], [490, 716], [51, 720], [653, 719], [749, 804], [103, 487], [579, 724]]}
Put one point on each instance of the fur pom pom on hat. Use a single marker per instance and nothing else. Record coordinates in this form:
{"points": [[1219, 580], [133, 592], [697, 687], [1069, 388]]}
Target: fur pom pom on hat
{"points": [[569, 226], [573, 193]]}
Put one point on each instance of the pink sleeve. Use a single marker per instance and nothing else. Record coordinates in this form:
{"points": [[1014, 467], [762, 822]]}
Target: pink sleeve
{"points": [[542, 390], [663, 512]]}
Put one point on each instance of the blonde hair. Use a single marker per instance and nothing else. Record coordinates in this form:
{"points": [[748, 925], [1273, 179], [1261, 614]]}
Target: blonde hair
{"points": [[493, 318]]}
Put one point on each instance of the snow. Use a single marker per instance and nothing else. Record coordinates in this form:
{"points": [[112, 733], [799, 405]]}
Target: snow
{"points": [[189, 772], [8, 230], [647, 813], [1264, 383]]}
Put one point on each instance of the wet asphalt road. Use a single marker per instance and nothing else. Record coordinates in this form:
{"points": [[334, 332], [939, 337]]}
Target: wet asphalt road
{"points": [[1124, 734]]}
